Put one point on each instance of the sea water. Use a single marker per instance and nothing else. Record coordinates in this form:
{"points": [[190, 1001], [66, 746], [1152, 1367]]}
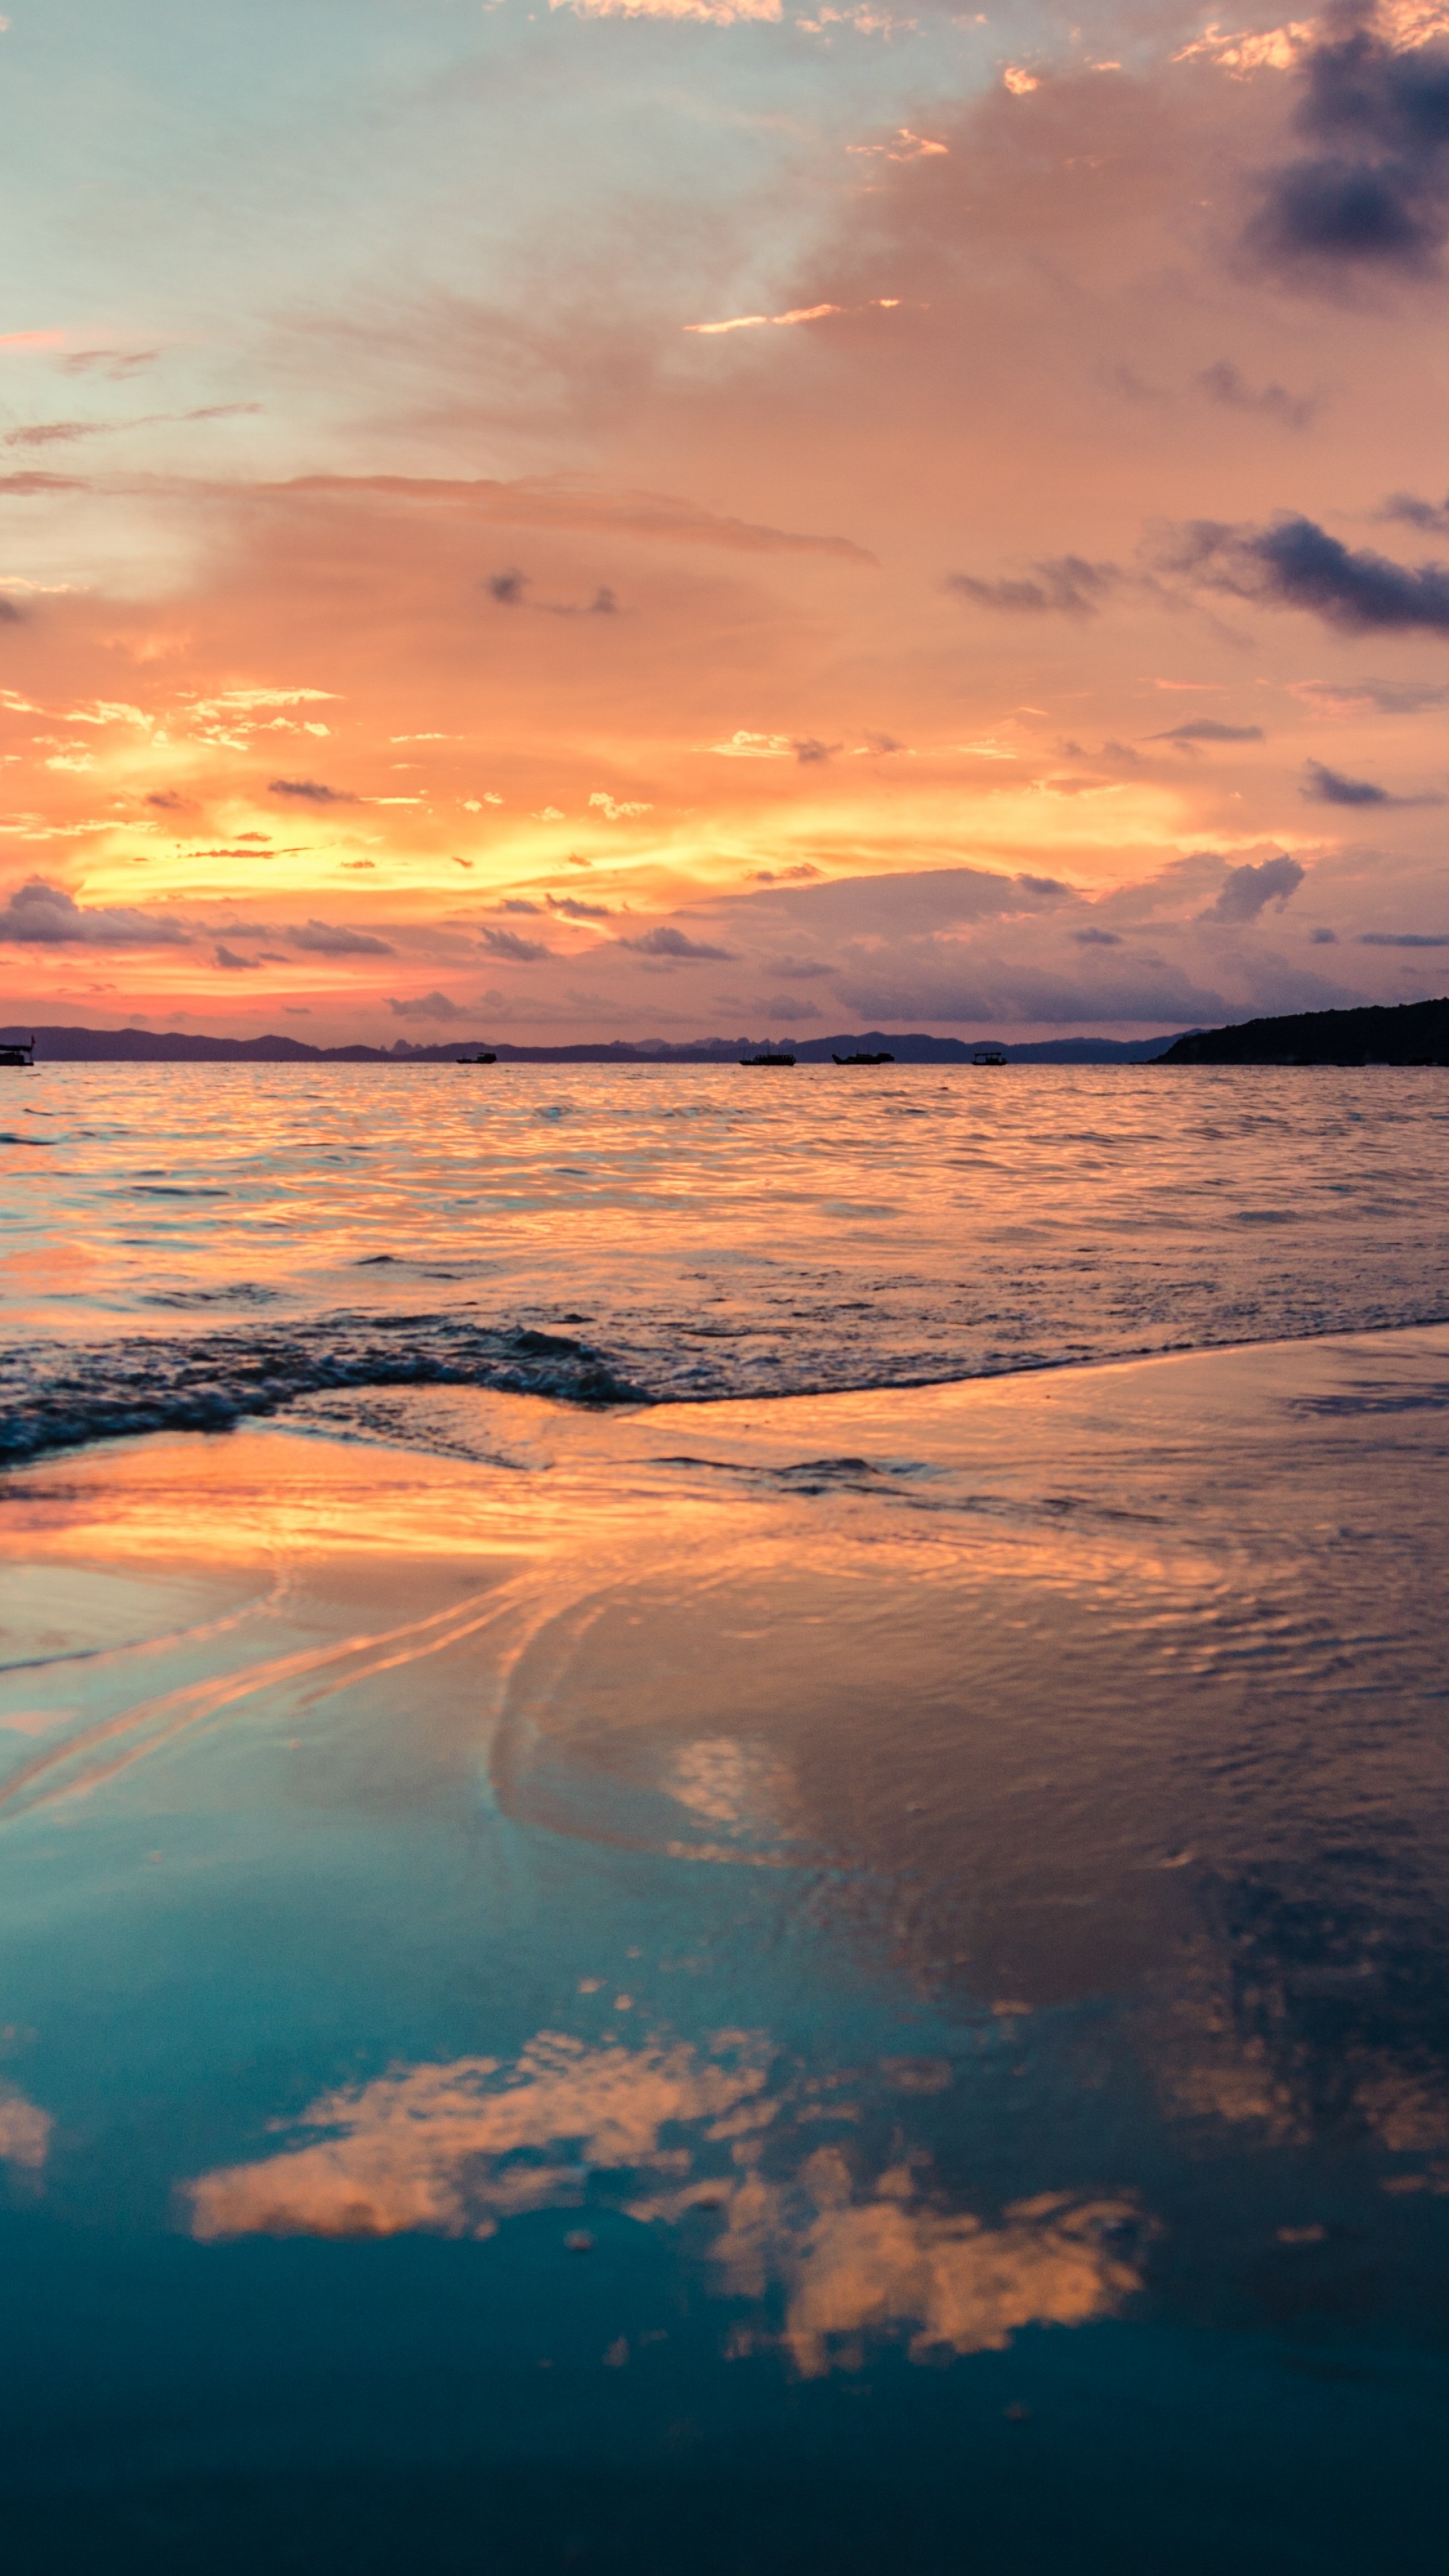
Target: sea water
{"points": [[190, 1245], [841, 1981]]}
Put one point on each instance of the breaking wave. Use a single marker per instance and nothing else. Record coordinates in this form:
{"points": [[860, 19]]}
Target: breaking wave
{"points": [[56, 1396]]}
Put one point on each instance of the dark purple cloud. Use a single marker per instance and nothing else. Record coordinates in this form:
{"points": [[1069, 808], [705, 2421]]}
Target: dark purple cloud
{"points": [[1431, 516], [328, 939], [426, 1006], [1325, 786], [1404, 939], [666, 942], [518, 951], [1293, 563], [41, 915], [1248, 889], [1372, 191], [1207, 729]]}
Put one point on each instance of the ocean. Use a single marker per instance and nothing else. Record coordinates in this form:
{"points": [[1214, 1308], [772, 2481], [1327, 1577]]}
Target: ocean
{"points": [[189, 1246], [724, 1821]]}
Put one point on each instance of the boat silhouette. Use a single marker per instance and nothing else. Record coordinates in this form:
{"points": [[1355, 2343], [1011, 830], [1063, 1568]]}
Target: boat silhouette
{"points": [[18, 1051], [863, 1059], [767, 1059]]}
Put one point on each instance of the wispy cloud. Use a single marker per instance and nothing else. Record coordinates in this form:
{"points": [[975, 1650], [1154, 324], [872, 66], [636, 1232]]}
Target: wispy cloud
{"points": [[1061, 585], [753, 746], [1224, 383], [118, 364], [709, 13], [50, 433], [560, 501], [334, 939], [800, 313], [666, 942], [1206, 729]]}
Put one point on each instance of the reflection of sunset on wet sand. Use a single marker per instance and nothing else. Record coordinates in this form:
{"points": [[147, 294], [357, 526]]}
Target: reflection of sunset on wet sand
{"points": [[781, 1892]]}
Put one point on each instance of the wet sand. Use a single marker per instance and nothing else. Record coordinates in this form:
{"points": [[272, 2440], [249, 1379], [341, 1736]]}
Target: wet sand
{"points": [[845, 1982]]}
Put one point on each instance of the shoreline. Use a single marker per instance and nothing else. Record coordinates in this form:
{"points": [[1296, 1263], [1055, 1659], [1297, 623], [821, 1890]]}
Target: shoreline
{"points": [[560, 1364]]}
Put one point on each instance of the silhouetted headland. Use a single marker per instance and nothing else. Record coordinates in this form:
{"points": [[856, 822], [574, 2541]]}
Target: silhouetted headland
{"points": [[1398, 1033]]}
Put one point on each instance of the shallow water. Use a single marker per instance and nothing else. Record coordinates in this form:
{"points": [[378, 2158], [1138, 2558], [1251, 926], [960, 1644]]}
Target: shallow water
{"points": [[829, 1985], [185, 1246]]}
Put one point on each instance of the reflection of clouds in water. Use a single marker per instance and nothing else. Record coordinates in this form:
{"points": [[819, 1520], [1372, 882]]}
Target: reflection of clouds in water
{"points": [[1234, 2087], [1407, 2113], [24, 2130], [889, 2263], [727, 1783], [433, 2146], [455, 2148], [1313, 2009]]}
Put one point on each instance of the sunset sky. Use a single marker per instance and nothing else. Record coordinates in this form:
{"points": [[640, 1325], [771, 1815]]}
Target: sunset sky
{"points": [[700, 518]]}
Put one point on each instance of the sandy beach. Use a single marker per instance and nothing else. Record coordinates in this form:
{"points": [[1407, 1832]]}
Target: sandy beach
{"points": [[566, 1948]]}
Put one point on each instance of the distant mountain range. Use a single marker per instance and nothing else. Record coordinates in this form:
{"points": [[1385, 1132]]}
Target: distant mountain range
{"points": [[173, 1046], [1402, 1033], [1396, 1033]]}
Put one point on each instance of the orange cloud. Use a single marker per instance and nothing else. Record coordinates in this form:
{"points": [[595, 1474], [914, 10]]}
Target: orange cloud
{"points": [[804, 312]]}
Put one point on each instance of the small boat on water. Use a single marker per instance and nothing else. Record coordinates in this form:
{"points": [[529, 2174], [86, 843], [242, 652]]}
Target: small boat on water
{"points": [[767, 1059], [989, 1055], [862, 1059], [18, 1051], [482, 1057]]}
